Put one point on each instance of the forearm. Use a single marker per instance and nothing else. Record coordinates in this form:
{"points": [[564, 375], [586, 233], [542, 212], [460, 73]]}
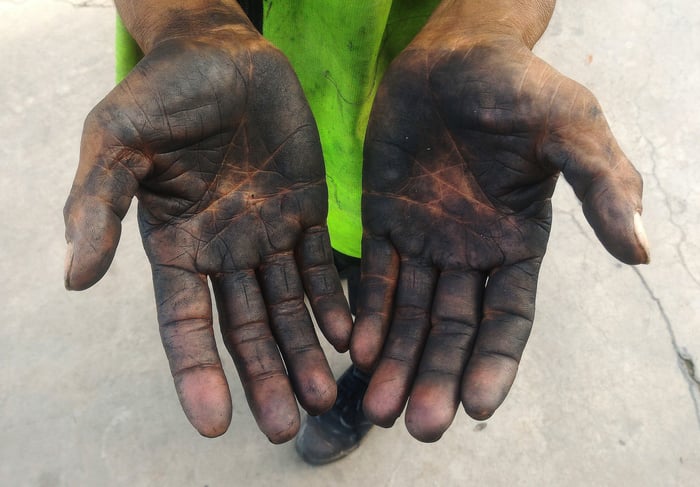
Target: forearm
{"points": [[152, 21], [525, 19]]}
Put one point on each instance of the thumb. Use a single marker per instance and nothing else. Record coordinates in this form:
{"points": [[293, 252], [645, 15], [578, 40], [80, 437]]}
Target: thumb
{"points": [[105, 183], [605, 181]]}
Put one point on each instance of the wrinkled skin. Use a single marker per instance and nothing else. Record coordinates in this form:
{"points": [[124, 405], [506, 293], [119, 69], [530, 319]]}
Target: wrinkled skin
{"points": [[215, 138], [462, 154]]}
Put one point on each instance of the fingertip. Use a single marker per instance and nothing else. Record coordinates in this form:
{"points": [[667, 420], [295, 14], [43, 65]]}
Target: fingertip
{"points": [[206, 400], [366, 342], [427, 415], [339, 331], [382, 404], [423, 434], [212, 430], [361, 358], [284, 434], [376, 416], [620, 230], [92, 236], [319, 392], [276, 412], [485, 387], [479, 412], [642, 238], [481, 403], [85, 268], [612, 205], [282, 427], [274, 407], [341, 347], [332, 313]]}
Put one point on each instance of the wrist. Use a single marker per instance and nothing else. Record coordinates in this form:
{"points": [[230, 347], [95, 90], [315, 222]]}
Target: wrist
{"points": [[155, 21], [476, 21]]}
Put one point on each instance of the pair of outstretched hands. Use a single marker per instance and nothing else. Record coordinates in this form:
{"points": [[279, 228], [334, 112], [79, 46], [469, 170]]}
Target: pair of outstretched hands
{"points": [[465, 142]]}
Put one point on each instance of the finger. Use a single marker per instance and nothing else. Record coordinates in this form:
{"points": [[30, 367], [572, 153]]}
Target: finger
{"points": [[294, 332], [105, 183], [605, 181], [455, 316], [247, 335], [391, 381], [323, 287], [184, 315], [508, 311], [380, 270]]}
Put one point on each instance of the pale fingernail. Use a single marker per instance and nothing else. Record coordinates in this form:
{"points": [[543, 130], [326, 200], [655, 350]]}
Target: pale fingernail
{"points": [[68, 265], [641, 235]]}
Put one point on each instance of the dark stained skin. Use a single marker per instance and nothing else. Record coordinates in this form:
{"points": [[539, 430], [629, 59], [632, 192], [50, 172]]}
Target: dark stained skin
{"points": [[468, 134], [214, 136], [465, 142]]}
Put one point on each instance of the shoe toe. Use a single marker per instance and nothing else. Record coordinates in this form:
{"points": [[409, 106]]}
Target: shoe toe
{"points": [[318, 445]]}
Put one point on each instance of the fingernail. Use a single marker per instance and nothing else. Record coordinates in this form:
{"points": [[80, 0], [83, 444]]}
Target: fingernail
{"points": [[68, 265], [641, 235]]}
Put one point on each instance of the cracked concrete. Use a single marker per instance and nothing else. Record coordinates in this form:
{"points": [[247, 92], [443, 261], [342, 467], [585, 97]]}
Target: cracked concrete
{"points": [[608, 389], [685, 361], [689, 365]]}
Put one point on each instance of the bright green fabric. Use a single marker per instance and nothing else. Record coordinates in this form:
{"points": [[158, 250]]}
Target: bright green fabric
{"points": [[339, 50], [127, 52]]}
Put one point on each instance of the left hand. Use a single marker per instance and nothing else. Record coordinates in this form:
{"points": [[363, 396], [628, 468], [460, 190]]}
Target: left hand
{"points": [[462, 153]]}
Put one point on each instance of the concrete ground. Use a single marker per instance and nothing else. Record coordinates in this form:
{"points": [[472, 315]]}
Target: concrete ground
{"points": [[607, 394]]}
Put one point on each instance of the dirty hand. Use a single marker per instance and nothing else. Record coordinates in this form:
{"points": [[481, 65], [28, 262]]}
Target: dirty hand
{"points": [[463, 149], [214, 137]]}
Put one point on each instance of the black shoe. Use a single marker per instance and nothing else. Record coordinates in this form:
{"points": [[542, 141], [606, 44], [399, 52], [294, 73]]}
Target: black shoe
{"points": [[336, 433]]}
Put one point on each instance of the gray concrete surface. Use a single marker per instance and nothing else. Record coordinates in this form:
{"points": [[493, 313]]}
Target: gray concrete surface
{"points": [[608, 392]]}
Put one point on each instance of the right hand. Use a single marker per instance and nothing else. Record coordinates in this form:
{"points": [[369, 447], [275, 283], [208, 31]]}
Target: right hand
{"points": [[215, 138]]}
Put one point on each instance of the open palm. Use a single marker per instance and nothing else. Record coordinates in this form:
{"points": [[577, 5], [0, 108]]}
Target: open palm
{"points": [[216, 140], [462, 153]]}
